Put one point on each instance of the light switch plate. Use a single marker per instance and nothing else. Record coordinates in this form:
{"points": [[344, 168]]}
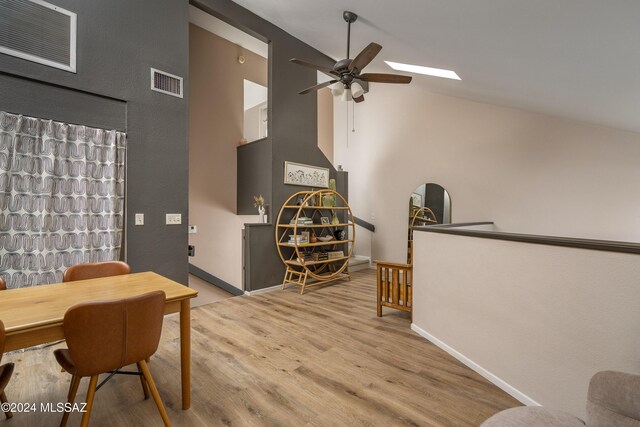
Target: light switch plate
{"points": [[174, 219], [139, 219]]}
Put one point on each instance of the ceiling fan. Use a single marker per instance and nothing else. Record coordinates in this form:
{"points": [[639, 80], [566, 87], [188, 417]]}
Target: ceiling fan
{"points": [[347, 71]]}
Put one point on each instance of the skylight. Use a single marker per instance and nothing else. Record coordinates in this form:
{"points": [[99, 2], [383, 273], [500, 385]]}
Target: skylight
{"points": [[436, 72]]}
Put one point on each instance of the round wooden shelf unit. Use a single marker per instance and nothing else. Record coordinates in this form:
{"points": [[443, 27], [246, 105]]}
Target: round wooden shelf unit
{"points": [[303, 212]]}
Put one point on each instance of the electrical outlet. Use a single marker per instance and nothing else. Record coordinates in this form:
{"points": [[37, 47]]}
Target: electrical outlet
{"points": [[139, 219], [192, 250], [174, 219], [193, 229]]}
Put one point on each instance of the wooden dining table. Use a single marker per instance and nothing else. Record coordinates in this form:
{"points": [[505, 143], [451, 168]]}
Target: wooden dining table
{"points": [[34, 315]]}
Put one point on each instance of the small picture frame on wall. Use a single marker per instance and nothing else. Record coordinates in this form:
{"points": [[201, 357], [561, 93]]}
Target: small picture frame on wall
{"points": [[324, 220], [416, 199], [305, 175]]}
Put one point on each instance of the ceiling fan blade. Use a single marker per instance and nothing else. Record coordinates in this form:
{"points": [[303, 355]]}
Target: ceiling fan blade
{"points": [[365, 57], [325, 70], [385, 78], [359, 99], [317, 87]]}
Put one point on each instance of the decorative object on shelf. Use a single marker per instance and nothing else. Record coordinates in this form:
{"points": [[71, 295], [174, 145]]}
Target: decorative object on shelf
{"points": [[334, 219], [306, 175], [339, 234], [312, 200], [332, 184], [328, 200], [259, 203], [324, 260]]}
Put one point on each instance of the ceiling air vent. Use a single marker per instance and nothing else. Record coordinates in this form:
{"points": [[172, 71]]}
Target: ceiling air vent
{"points": [[38, 31], [166, 83]]}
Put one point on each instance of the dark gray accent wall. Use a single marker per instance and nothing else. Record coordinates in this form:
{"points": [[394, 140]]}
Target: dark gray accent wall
{"points": [[36, 99], [262, 265], [254, 175], [118, 41], [292, 129]]}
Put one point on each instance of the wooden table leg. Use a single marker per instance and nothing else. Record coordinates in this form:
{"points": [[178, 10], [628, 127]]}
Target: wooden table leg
{"points": [[185, 351]]}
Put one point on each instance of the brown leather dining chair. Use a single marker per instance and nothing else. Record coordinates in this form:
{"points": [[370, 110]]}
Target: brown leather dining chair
{"points": [[6, 371], [129, 332], [3, 284], [95, 270]]}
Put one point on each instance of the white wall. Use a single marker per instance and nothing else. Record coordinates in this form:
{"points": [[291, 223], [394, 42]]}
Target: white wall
{"points": [[251, 123], [527, 172], [325, 123], [543, 319]]}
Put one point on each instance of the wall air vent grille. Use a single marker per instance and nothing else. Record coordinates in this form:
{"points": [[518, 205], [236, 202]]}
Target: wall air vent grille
{"points": [[39, 32], [166, 83]]}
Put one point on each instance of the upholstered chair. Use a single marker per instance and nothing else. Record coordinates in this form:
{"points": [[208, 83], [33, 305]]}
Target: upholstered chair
{"points": [[6, 371], [3, 284], [613, 400], [104, 336], [95, 270]]}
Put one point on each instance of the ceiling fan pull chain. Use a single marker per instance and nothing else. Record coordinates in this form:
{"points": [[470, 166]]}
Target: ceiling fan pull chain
{"points": [[353, 116], [347, 109]]}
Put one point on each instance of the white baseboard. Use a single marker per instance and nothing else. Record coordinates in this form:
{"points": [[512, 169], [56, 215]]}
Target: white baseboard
{"points": [[523, 398], [262, 291]]}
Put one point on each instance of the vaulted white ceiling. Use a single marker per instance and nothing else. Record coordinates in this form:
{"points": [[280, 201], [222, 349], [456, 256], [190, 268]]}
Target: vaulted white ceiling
{"points": [[578, 59]]}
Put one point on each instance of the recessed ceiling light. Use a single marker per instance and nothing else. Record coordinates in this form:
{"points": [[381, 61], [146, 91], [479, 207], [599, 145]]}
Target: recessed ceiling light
{"points": [[437, 72]]}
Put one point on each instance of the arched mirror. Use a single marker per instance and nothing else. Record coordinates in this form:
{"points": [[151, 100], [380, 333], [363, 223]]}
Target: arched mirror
{"points": [[428, 204]]}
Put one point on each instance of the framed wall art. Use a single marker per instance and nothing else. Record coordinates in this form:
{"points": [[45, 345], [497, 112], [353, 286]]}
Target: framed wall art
{"points": [[306, 175]]}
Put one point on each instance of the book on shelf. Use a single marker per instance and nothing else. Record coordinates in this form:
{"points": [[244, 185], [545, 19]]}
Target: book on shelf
{"points": [[303, 220], [299, 239], [305, 257], [320, 256], [335, 254]]}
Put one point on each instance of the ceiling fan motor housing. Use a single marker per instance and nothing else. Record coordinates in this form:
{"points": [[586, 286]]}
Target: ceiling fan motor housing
{"points": [[342, 65]]}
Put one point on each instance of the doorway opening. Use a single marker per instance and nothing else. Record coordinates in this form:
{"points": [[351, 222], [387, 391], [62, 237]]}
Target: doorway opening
{"points": [[228, 107]]}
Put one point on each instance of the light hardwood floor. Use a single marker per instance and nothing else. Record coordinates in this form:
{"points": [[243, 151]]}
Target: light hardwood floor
{"points": [[283, 359], [207, 293]]}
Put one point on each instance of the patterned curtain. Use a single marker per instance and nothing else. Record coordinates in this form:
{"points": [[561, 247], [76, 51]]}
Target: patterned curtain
{"points": [[61, 197]]}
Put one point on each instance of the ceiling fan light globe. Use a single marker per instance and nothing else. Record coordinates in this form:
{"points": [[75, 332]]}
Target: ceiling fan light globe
{"points": [[337, 89], [356, 90], [346, 95]]}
